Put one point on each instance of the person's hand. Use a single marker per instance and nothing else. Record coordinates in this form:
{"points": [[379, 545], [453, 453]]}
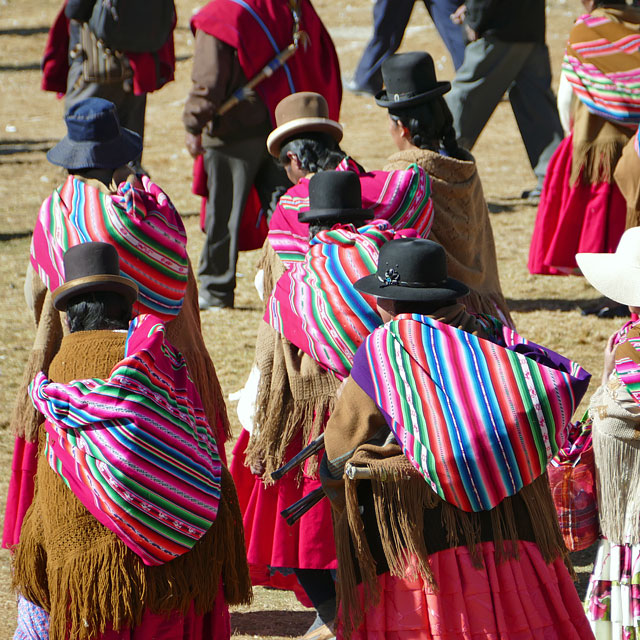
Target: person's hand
{"points": [[471, 34], [194, 144], [459, 15], [609, 358]]}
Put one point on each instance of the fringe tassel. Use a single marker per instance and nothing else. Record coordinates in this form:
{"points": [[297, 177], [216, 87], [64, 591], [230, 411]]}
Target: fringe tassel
{"points": [[595, 162], [282, 412], [618, 467]]}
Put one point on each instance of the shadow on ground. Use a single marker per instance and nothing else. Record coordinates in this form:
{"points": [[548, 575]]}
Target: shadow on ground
{"points": [[527, 305], [9, 147], [287, 624]]}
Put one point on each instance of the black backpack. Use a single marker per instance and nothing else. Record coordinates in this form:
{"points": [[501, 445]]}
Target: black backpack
{"points": [[139, 26]]}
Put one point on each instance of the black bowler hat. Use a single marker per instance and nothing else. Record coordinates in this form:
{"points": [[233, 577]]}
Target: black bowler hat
{"points": [[95, 139], [92, 266], [412, 269], [409, 78], [335, 194]]}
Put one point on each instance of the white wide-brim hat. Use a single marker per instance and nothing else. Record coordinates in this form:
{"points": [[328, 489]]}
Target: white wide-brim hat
{"points": [[616, 275]]}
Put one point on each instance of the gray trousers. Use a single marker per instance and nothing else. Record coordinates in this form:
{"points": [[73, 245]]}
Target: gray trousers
{"points": [[231, 170], [492, 67]]}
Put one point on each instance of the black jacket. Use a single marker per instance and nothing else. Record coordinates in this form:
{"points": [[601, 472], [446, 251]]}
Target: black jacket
{"points": [[508, 20]]}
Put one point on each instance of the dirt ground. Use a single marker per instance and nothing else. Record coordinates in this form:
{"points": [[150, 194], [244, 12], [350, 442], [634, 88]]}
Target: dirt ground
{"points": [[546, 309]]}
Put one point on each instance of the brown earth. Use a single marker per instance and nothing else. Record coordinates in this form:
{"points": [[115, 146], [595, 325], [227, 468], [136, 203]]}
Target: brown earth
{"points": [[545, 309]]}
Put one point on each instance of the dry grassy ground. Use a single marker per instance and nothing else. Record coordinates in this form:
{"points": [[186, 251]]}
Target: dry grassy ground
{"points": [[545, 309]]}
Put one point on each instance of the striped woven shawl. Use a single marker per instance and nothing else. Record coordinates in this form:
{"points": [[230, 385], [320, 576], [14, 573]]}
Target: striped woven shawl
{"points": [[137, 449], [602, 63], [141, 223], [478, 418], [401, 197], [315, 305]]}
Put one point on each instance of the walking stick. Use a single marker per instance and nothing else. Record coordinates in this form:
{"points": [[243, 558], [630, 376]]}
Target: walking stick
{"points": [[307, 452]]}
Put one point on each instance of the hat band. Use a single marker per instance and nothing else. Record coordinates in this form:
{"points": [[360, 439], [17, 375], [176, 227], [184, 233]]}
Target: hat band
{"points": [[392, 279]]}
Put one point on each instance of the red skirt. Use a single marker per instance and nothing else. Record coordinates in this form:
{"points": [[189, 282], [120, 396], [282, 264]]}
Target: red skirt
{"points": [[518, 599], [585, 218], [271, 543], [20, 496]]}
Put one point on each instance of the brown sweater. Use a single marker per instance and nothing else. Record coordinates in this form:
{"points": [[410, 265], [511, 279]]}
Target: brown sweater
{"points": [[80, 572]]}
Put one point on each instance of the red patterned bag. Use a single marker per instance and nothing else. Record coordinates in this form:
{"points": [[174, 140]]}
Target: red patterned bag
{"points": [[572, 477]]}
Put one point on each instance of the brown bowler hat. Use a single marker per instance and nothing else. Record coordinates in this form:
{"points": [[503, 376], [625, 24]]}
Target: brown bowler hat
{"points": [[92, 266], [306, 112]]}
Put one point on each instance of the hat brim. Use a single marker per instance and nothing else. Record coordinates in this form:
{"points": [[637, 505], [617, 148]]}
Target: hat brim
{"points": [[611, 277], [96, 155], [101, 282], [451, 289], [299, 125], [350, 215], [383, 99]]}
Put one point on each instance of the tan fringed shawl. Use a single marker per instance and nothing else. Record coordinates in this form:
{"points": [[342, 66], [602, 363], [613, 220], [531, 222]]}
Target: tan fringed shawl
{"points": [[272, 268], [461, 225], [597, 146], [294, 395], [184, 332], [81, 573], [627, 177], [616, 448]]}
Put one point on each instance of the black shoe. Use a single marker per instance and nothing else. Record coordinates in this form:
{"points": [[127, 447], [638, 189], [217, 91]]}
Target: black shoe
{"points": [[532, 195], [608, 309]]}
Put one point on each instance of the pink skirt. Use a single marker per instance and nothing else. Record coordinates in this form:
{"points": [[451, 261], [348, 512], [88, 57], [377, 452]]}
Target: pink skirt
{"points": [[519, 599], [271, 542], [33, 624], [20, 496], [585, 218]]}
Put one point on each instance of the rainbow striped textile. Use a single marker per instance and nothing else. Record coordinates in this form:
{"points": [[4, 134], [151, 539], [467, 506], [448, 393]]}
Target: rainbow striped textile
{"points": [[402, 197], [141, 223], [314, 304], [627, 362], [478, 418], [137, 449], [602, 63]]}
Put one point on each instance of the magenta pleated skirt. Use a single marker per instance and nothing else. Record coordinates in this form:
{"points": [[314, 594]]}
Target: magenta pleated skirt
{"points": [[518, 599], [271, 543], [583, 218]]}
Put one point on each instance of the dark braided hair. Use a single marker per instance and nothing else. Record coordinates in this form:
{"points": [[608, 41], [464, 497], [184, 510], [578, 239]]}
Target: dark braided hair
{"points": [[98, 310], [316, 152], [430, 125]]}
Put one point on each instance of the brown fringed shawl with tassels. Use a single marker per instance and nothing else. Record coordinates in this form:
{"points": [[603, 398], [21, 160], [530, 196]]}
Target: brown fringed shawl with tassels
{"points": [[294, 394], [81, 573]]}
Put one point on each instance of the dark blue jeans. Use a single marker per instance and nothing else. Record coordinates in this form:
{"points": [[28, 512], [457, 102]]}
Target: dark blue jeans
{"points": [[390, 19]]}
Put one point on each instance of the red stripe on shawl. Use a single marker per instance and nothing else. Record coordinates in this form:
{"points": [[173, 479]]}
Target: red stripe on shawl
{"points": [[315, 68]]}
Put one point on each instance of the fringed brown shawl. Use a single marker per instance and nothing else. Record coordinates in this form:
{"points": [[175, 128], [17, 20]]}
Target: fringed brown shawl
{"points": [[81, 573], [294, 394], [461, 225]]}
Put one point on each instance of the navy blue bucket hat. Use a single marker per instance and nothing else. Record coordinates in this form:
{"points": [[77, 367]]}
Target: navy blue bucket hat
{"points": [[95, 139]]}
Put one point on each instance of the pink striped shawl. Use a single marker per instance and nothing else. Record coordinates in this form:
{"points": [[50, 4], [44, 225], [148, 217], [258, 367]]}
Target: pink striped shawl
{"points": [[401, 197], [137, 449], [315, 305], [141, 223]]}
